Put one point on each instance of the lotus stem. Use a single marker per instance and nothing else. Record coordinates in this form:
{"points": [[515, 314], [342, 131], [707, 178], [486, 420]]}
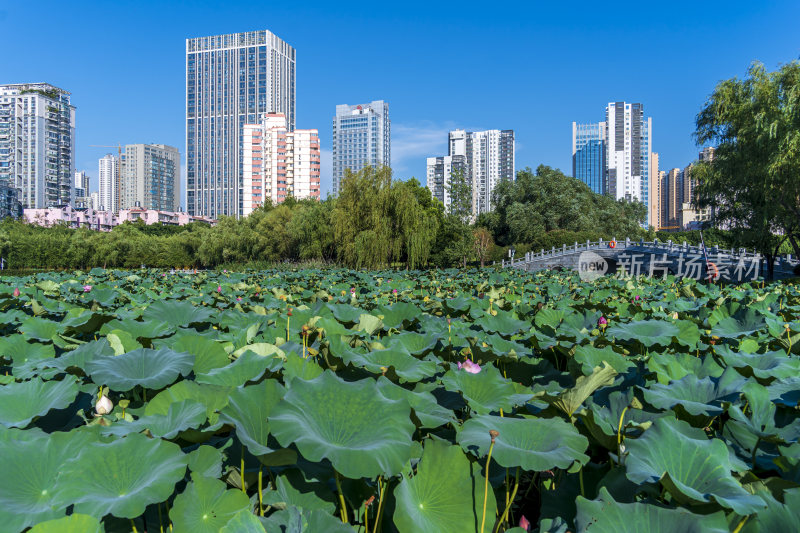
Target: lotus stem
{"points": [[580, 478], [380, 505], [494, 435], [619, 435], [504, 517], [343, 510], [741, 524], [160, 519], [260, 496], [241, 471], [133, 526]]}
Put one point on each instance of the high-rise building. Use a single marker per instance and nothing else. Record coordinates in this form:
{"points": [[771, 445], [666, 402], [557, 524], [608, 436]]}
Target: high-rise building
{"points": [[279, 163], [37, 144], [674, 202], [628, 147], [440, 170], [81, 183], [231, 80], [655, 193], [361, 137], [108, 168], [150, 177], [589, 154], [489, 159]]}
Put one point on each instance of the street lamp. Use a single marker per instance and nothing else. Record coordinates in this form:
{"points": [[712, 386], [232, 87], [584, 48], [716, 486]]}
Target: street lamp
{"points": [[511, 252]]}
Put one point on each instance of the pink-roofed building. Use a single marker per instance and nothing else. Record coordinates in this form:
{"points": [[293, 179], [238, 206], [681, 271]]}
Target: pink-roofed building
{"points": [[105, 220], [278, 163]]}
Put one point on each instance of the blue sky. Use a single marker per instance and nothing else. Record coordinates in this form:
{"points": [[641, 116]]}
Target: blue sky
{"points": [[525, 66]]}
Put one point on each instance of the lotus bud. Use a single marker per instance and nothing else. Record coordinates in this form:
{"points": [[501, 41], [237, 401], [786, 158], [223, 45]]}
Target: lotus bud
{"points": [[675, 315], [494, 434], [394, 291], [219, 288], [87, 288], [602, 321], [103, 406], [524, 524], [16, 293], [238, 298]]}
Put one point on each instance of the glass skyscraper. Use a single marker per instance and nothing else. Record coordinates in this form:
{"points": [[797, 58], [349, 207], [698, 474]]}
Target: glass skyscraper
{"points": [[589, 154], [361, 137], [231, 80]]}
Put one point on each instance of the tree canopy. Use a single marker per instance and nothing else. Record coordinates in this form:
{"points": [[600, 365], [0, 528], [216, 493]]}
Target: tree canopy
{"points": [[753, 183]]}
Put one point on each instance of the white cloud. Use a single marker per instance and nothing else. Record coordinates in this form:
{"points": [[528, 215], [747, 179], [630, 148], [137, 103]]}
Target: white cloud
{"points": [[413, 143]]}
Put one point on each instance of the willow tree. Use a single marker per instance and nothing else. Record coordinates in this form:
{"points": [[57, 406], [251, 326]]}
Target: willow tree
{"points": [[753, 182], [377, 221]]}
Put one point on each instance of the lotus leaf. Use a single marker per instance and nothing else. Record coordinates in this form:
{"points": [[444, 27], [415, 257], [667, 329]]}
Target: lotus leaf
{"points": [[487, 391], [535, 444], [22, 402], [206, 506], [152, 369], [446, 494], [75, 523], [357, 419], [691, 467], [122, 477]]}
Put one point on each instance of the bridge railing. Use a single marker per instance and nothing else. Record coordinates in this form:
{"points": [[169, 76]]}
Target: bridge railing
{"points": [[669, 247]]}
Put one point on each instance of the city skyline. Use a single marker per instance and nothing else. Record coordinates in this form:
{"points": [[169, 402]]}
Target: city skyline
{"points": [[534, 53]]}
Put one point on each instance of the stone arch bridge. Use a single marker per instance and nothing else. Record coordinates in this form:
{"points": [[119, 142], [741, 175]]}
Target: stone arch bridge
{"points": [[654, 259]]}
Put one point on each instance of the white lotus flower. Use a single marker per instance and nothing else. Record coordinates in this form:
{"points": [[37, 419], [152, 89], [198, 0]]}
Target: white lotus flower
{"points": [[103, 406]]}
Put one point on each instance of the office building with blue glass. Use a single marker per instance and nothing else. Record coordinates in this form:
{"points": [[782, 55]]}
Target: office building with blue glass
{"points": [[589, 154], [361, 137], [231, 80]]}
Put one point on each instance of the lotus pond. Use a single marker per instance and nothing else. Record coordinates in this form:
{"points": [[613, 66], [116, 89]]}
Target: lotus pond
{"points": [[437, 401]]}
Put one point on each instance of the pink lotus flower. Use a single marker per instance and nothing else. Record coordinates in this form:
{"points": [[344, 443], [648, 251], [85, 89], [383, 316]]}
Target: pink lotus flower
{"points": [[394, 291], [219, 288], [238, 298], [224, 271], [636, 297], [469, 366], [602, 321], [524, 524], [16, 292], [352, 290], [87, 288]]}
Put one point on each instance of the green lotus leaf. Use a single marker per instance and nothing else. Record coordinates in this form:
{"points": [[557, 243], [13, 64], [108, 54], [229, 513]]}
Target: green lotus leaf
{"points": [[298, 367], [426, 408], [505, 323], [31, 464], [605, 515], [674, 366], [151, 369], [406, 366], [16, 348], [249, 366], [764, 366], [648, 332], [122, 477], [416, 344], [75, 523], [485, 392], [206, 461], [536, 444], [243, 522], [743, 322], [590, 357], [692, 468], [446, 494], [208, 354], [785, 391], [777, 516], [698, 396], [176, 313], [399, 314], [248, 410], [368, 324], [571, 399], [287, 495], [361, 432], [22, 402], [298, 520], [40, 328], [180, 417], [206, 506], [148, 329], [264, 349]]}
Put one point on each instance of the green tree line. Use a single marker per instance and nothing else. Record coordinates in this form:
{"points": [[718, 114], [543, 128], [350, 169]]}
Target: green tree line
{"points": [[376, 221]]}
